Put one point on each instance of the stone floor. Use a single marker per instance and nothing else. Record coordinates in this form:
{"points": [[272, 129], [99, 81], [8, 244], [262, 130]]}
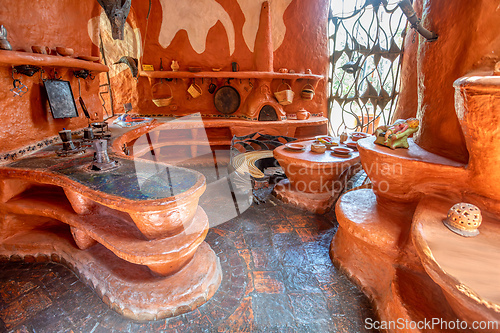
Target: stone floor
{"points": [[278, 277]]}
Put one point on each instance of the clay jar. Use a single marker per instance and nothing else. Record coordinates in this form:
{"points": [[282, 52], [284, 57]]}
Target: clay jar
{"points": [[303, 114]]}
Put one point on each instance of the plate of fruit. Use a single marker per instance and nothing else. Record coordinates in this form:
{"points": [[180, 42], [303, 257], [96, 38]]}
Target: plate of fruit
{"points": [[327, 140]]}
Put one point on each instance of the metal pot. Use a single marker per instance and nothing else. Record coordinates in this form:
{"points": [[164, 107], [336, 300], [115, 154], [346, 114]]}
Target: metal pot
{"points": [[227, 100]]}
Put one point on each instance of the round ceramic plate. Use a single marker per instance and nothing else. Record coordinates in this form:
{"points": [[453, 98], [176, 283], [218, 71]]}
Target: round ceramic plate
{"points": [[295, 146], [351, 144], [358, 135], [341, 155], [341, 151]]}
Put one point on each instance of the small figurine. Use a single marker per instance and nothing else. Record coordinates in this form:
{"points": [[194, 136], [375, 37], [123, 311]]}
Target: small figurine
{"points": [[174, 66], [396, 135], [4, 43]]}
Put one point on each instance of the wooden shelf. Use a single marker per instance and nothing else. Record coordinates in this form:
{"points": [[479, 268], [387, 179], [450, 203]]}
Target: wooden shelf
{"points": [[14, 58], [234, 75]]}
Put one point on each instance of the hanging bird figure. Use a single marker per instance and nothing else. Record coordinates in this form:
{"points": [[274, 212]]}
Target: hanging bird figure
{"points": [[352, 67]]}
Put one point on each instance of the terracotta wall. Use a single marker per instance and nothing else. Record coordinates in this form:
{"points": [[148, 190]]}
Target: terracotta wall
{"points": [[28, 119], [469, 39], [304, 46]]}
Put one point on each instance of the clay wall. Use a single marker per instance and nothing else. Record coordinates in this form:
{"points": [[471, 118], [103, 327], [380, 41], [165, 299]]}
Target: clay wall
{"points": [[468, 40], [27, 119], [208, 34], [213, 34]]}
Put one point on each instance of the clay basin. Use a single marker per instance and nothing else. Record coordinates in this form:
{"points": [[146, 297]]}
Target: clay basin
{"points": [[311, 172]]}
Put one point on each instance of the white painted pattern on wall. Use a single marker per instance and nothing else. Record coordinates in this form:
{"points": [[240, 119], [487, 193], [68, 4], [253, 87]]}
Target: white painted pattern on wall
{"points": [[196, 17], [251, 9]]}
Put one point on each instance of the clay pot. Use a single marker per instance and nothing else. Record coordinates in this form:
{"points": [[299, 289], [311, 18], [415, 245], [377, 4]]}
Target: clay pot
{"points": [[174, 66], [303, 114], [283, 70]]}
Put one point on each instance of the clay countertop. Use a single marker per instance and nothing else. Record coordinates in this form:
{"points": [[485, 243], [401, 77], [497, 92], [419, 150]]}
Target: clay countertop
{"points": [[414, 153], [463, 266], [140, 184], [311, 159]]}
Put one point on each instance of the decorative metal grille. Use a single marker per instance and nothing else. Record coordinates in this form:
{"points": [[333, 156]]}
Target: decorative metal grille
{"points": [[365, 43]]}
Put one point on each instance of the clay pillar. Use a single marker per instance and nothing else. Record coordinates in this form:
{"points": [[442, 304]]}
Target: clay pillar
{"points": [[478, 109], [263, 53]]}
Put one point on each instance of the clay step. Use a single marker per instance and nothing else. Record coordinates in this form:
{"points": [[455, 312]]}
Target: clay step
{"points": [[359, 213], [129, 289]]}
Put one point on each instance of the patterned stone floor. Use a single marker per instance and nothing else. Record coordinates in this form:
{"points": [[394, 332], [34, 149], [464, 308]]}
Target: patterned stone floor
{"points": [[278, 277]]}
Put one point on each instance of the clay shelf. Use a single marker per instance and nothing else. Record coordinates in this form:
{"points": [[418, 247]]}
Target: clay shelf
{"points": [[125, 240], [233, 75], [15, 58]]}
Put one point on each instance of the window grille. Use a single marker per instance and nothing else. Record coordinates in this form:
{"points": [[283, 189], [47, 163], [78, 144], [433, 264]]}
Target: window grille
{"points": [[365, 45]]}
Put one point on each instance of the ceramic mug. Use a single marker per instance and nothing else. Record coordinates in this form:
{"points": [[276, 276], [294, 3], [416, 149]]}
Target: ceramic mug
{"points": [[194, 90], [303, 114]]}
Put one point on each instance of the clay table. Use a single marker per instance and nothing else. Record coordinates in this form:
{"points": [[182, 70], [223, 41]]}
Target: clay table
{"points": [[138, 229], [314, 180], [466, 269]]}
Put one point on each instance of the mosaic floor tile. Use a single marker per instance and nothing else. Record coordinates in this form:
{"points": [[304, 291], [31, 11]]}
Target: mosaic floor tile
{"points": [[277, 277]]}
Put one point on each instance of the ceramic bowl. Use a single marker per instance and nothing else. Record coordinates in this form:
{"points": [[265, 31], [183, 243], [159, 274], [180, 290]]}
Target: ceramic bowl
{"points": [[342, 150], [352, 144]]}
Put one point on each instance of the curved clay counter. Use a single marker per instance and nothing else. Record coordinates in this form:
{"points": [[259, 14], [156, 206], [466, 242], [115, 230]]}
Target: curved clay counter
{"points": [[392, 239], [138, 228], [466, 268]]}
